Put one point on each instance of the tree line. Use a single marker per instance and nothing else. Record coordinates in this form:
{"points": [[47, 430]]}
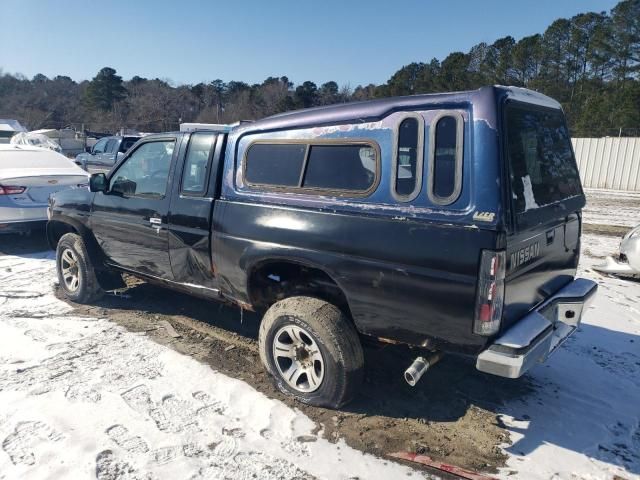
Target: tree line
{"points": [[590, 63]]}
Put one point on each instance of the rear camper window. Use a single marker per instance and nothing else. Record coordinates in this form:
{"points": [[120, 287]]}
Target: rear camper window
{"points": [[543, 170]]}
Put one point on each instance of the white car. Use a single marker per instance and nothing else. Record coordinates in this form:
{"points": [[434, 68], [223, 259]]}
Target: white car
{"points": [[627, 262], [28, 175]]}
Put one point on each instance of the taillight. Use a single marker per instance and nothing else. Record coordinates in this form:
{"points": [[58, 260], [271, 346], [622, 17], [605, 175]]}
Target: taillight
{"points": [[490, 297], [11, 190]]}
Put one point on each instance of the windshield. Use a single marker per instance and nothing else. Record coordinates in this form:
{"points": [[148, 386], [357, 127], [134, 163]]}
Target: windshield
{"points": [[543, 169]]}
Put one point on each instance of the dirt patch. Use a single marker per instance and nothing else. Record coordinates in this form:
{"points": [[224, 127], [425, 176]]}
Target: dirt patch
{"points": [[450, 416], [606, 230]]}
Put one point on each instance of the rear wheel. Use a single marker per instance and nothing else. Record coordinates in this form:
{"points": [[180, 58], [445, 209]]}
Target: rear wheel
{"points": [[312, 351], [76, 276]]}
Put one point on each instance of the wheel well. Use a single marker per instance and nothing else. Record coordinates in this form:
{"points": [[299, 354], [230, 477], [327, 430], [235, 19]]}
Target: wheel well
{"points": [[273, 281], [55, 231]]}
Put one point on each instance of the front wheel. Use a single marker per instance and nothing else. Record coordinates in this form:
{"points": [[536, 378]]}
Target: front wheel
{"points": [[312, 351], [76, 276]]}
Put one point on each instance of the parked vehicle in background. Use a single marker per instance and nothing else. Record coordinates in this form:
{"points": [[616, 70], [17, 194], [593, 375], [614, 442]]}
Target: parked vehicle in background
{"points": [[627, 262], [106, 152], [447, 222], [72, 142], [28, 175], [33, 139]]}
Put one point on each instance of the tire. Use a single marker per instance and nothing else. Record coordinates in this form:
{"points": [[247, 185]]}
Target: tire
{"points": [[330, 342], [71, 252]]}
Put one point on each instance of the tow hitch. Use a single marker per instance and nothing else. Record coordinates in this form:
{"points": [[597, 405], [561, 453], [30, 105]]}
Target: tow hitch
{"points": [[419, 366]]}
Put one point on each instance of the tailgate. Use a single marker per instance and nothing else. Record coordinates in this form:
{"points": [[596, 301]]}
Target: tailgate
{"points": [[543, 246], [539, 263]]}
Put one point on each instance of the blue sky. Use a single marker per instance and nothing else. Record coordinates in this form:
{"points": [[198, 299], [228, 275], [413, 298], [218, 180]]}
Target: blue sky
{"points": [[192, 41]]}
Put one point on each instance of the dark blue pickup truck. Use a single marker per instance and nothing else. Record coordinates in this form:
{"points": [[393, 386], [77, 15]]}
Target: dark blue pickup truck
{"points": [[448, 222]]}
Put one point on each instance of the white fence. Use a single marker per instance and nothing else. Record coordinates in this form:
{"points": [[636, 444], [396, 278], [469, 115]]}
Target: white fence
{"points": [[610, 162]]}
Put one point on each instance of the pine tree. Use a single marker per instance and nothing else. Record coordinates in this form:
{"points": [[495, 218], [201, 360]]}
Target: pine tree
{"points": [[105, 89]]}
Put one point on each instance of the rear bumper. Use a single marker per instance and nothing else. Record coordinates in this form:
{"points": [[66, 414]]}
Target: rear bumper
{"points": [[534, 338], [23, 213]]}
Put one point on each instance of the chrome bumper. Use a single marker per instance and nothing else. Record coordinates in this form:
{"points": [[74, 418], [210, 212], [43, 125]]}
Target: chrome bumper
{"points": [[534, 338]]}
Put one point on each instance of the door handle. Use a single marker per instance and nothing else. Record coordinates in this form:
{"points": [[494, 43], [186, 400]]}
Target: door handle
{"points": [[156, 224], [551, 235]]}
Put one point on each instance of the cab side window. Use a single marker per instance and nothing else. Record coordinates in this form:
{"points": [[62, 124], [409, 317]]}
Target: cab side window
{"points": [[197, 163], [146, 171], [126, 144]]}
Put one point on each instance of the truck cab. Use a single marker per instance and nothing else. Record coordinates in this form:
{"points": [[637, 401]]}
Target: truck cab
{"points": [[447, 222]]}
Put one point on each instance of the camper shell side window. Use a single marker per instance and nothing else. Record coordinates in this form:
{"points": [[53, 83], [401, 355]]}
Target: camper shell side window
{"points": [[446, 137], [349, 167], [408, 158]]}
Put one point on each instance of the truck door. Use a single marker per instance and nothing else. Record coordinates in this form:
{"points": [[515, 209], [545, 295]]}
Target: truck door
{"points": [[95, 158], [130, 220], [192, 198]]}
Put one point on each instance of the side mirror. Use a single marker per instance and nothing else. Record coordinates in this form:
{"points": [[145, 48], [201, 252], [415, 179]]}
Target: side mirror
{"points": [[89, 150], [98, 182]]}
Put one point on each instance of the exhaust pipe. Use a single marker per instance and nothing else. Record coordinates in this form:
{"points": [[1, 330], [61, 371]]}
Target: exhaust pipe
{"points": [[419, 366]]}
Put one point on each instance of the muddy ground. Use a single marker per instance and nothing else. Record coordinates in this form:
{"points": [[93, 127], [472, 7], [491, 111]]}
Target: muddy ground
{"points": [[449, 416]]}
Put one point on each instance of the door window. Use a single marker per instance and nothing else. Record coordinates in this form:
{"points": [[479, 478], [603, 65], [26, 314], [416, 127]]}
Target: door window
{"points": [[146, 171], [100, 146], [127, 143], [196, 165], [112, 145]]}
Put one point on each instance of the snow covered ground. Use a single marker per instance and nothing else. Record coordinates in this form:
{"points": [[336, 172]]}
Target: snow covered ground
{"points": [[582, 421], [613, 208], [84, 398]]}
